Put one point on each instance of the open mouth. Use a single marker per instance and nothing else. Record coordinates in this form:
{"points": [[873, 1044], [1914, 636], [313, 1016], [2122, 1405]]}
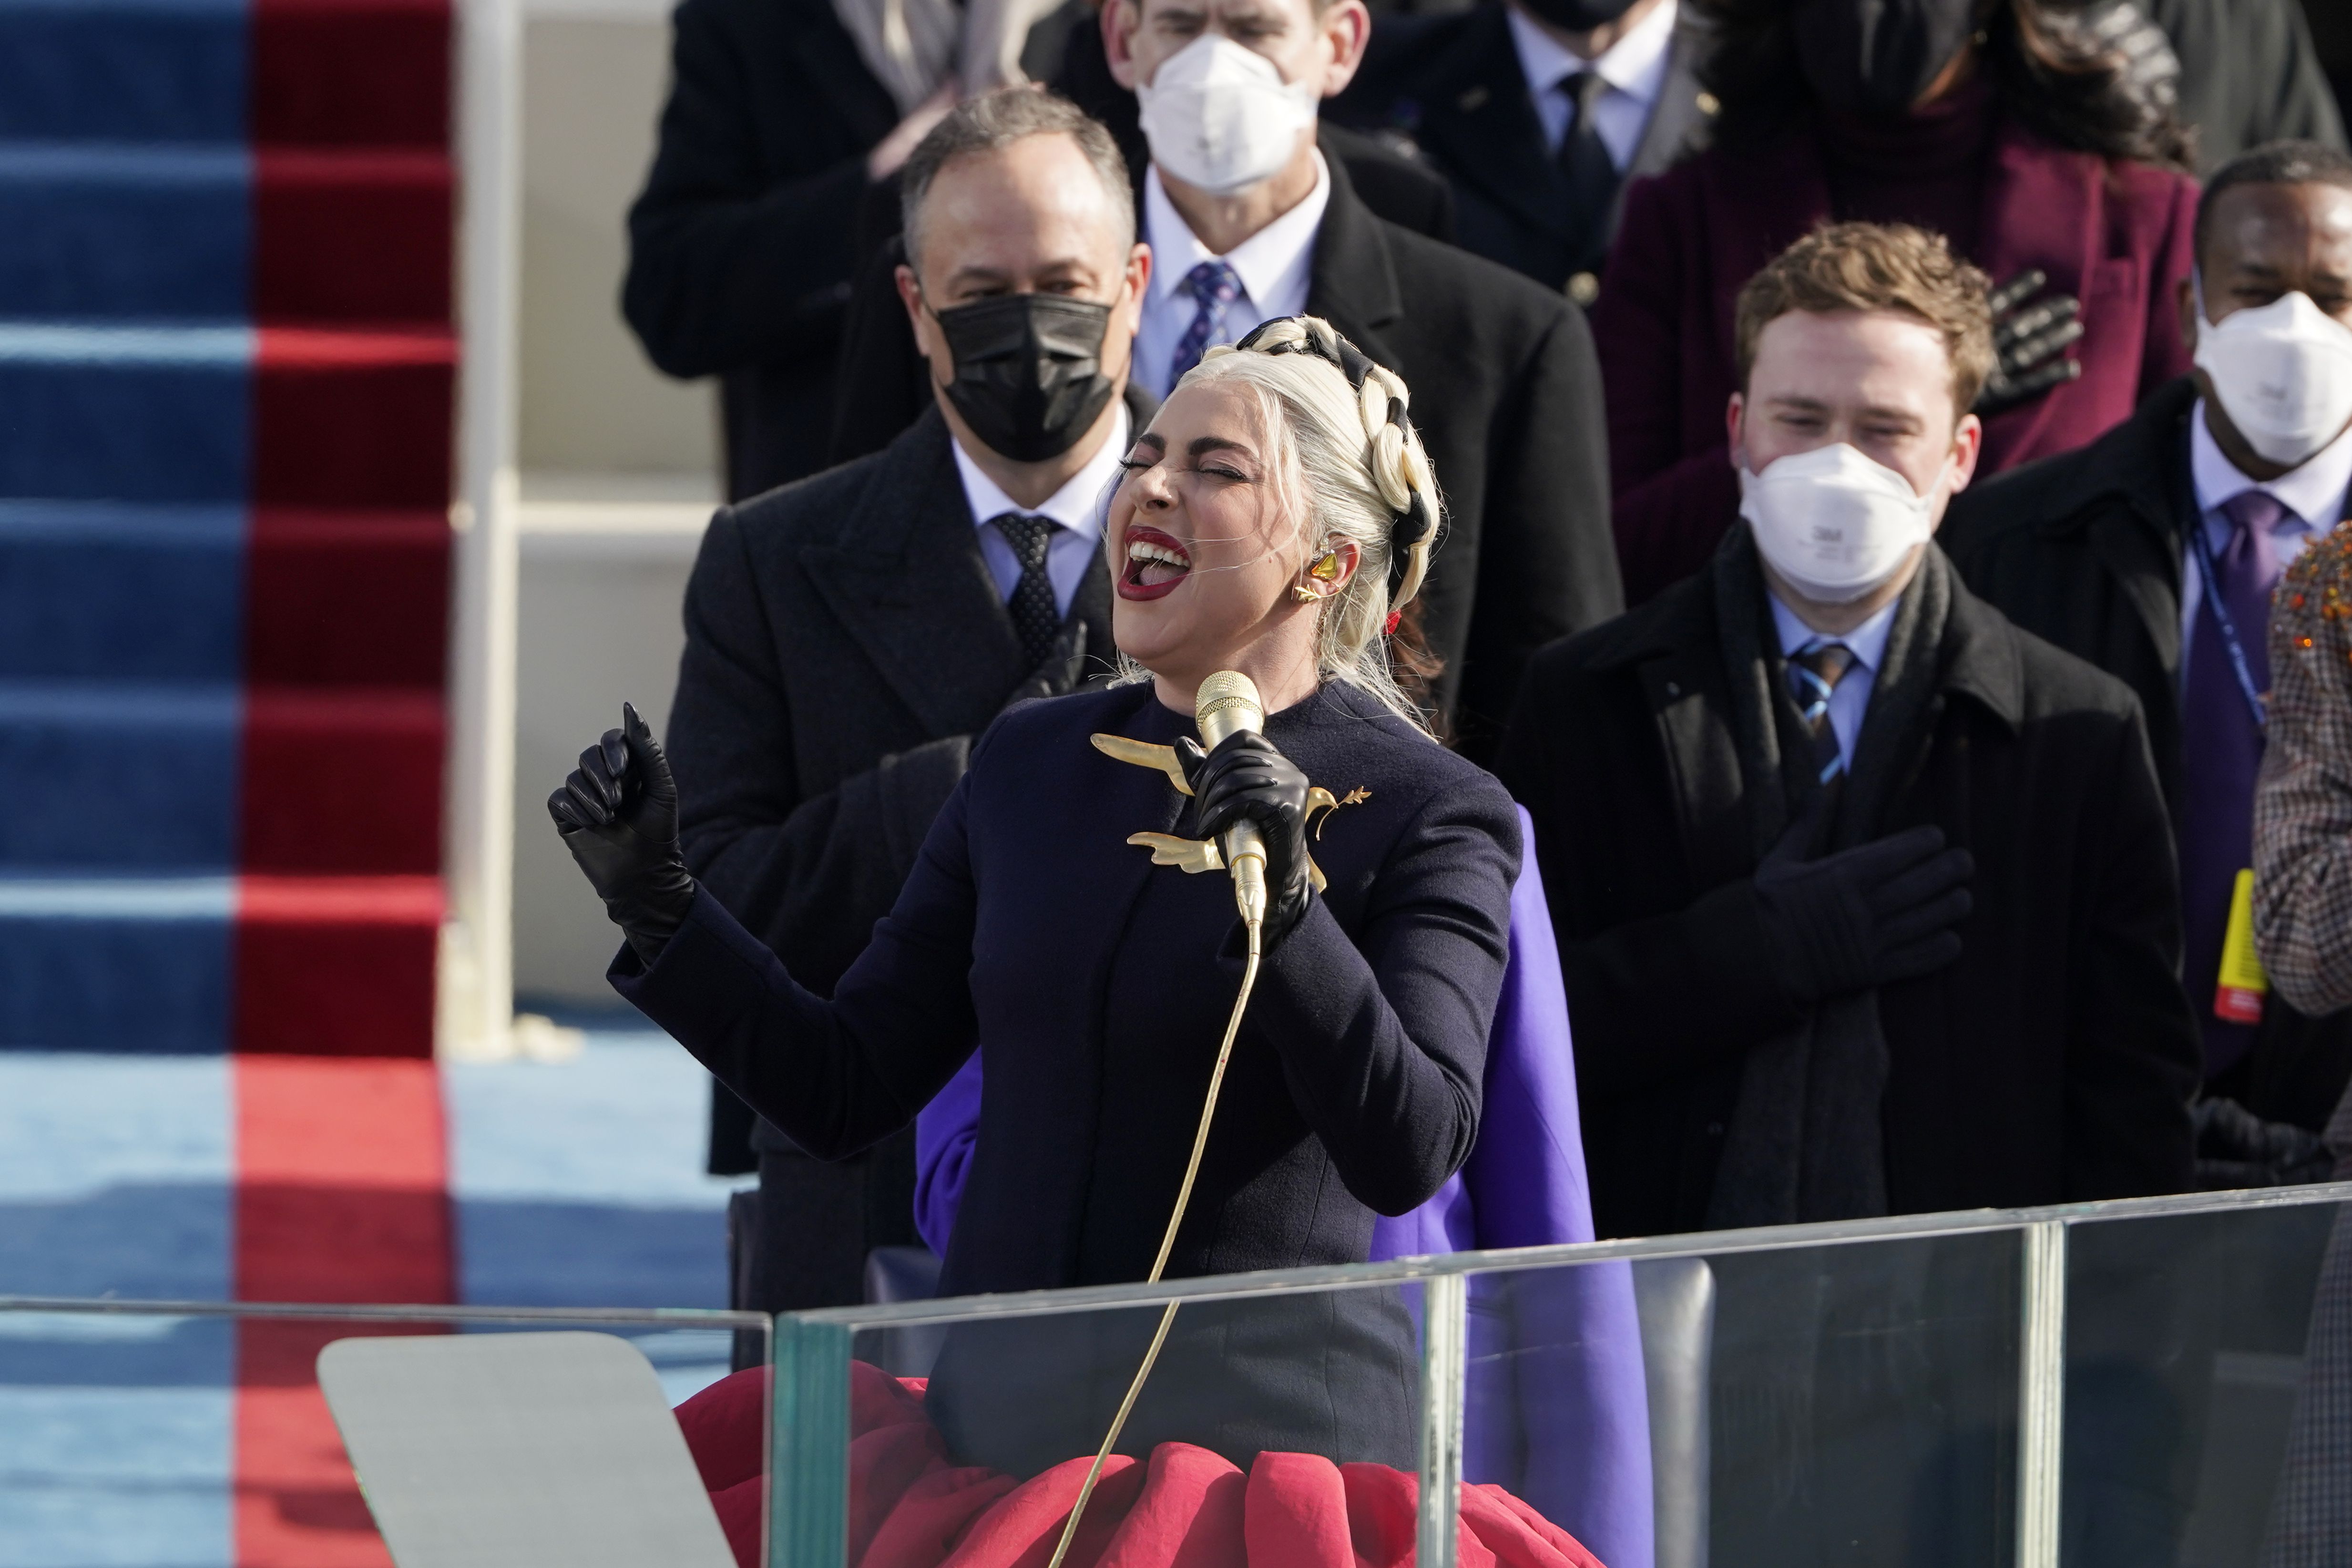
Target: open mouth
{"points": [[1155, 564]]}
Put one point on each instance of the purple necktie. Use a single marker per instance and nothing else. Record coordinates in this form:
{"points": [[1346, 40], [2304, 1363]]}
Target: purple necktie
{"points": [[2222, 747], [1213, 286]]}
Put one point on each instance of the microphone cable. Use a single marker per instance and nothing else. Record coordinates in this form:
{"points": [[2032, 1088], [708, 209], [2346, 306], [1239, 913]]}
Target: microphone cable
{"points": [[1167, 1245]]}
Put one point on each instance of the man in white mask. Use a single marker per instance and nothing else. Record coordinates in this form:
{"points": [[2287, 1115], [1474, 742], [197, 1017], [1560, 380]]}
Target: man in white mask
{"points": [[1248, 220], [1864, 897], [2155, 552]]}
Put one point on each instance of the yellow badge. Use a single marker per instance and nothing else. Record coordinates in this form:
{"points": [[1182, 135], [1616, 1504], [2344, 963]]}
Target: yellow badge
{"points": [[2237, 994]]}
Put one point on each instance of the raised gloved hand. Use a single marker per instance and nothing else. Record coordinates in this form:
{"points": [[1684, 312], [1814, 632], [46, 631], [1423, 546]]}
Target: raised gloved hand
{"points": [[1246, 778], [619, 815], [1061, 670], [1863, 916], [2029, 342]]}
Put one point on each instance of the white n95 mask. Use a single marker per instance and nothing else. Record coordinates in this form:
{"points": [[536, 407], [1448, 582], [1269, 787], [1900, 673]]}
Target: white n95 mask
{"points": [[1221, 118], [1832, 523], [2283, 372]]}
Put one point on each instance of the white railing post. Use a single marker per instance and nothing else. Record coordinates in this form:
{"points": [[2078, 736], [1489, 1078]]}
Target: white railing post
{"points": [[1444, 1349], [476, 1008], [2040, 1393]]}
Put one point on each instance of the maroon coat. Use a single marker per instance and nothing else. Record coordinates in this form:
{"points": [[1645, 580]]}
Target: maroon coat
{"points": [[2114, 234]]}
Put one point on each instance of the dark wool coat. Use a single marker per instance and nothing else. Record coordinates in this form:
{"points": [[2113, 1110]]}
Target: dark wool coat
{"points": [[1507, 394], [1449, 86], [2055, 1060], [1098, 985], [2114, 234], [2088, 550], [742, 244]]}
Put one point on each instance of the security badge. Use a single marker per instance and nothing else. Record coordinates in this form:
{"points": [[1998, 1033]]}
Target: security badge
{"points": [[1196, 855]]}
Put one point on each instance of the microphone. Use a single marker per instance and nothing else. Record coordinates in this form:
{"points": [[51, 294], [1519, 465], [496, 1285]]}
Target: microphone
{"points": [[1226, 704]]}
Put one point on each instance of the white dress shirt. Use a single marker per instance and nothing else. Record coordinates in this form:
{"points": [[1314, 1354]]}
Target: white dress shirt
{"points": [[2313, 493], [1273, 264], [1634, 67], [1849, 699], [1077, 506]]}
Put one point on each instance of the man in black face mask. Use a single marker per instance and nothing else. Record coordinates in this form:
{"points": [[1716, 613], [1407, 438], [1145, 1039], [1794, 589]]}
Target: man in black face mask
{"points": [[1539, 112], [848, 636]]}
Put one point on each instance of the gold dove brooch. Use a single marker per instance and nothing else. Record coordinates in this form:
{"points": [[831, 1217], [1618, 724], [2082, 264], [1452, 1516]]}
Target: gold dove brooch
{"points": [[1193, 856]]}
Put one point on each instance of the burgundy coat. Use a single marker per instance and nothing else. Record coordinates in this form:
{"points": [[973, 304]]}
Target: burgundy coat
{"points": [[2114, 234]]}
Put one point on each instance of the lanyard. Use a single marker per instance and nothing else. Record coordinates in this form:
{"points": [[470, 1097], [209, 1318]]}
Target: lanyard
{"points": [[2211, 575]]}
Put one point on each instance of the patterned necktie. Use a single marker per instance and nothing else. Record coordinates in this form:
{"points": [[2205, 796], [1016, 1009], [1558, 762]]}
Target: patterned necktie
{"points": [[1037, 619], [1591, 174], [1213, 286], [2220, 753], [1814, 672]]}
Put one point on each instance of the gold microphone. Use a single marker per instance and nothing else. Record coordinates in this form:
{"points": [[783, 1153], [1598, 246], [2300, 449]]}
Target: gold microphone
{"points": [[1226, 704]]}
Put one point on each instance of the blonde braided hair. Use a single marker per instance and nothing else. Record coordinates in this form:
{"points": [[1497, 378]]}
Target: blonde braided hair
{"points": [[1339, 421]]}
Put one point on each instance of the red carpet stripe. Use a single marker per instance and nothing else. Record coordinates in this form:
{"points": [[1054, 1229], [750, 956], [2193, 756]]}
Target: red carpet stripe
{"points": [[342, 1196]]}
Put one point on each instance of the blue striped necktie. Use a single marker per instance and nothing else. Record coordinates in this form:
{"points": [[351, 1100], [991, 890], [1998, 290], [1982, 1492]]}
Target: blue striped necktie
{"points": [[1813, 673]]}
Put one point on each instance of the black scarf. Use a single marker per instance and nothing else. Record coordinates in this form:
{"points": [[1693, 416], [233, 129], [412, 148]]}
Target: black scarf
{"points": [[1806, 1140]]}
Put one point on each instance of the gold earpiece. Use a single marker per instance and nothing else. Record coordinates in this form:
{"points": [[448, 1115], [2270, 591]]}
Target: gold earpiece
{"points": [[1303, 594], [1325, 570]]}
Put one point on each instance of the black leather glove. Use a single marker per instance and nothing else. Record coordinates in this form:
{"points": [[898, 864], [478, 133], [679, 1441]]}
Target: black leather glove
{"points": [[2235, 1148], [619, 815], [1061, 672], [2029, 343], [1866, 916], [1246, 777]]}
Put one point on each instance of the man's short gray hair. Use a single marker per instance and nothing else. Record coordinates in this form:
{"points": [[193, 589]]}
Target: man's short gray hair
{"points": [[999, 119]]}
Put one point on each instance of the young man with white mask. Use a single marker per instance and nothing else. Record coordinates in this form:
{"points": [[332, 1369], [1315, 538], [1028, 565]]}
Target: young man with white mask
{"points": [[2153, 553], [1865, 898], [1248, 220]]}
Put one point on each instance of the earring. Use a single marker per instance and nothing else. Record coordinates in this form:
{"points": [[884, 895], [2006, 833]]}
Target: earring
{"points": [[1327, 568], [1303, 594]]}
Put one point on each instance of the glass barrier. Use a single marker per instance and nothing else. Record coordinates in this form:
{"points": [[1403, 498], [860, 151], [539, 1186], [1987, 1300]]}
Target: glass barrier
{"points": [[2156, 1382], [2102, 1383]]}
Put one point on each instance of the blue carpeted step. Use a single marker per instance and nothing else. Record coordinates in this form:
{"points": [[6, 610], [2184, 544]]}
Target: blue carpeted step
{"points": [[110, 231], [105, 774], [106, 590], [115, 964], [111, 413], [124, 70]]}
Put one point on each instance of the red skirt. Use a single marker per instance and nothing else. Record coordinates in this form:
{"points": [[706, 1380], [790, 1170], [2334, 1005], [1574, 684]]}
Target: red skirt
{"points": [[909, 1507]]}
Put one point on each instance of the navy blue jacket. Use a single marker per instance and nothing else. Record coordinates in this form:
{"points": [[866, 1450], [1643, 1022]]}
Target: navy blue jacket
{"points": [[1100, 985]]}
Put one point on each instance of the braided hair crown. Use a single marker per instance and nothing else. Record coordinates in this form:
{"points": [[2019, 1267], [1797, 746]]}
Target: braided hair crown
{"points": [[1392, 456]]}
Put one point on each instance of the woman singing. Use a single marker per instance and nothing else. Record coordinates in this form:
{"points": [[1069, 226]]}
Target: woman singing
{"points": [[1271, 519]]}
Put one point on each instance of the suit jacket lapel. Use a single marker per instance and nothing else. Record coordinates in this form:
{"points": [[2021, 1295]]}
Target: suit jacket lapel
{"points": [[1676, 116], [906, 576], [1353, 282], [1479, 120]]}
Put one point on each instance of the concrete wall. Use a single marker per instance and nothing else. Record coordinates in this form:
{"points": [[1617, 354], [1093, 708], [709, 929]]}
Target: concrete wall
{"points": [[619, 461]]}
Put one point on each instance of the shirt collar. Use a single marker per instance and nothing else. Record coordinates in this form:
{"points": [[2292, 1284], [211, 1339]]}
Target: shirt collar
{"points": [[1636, 65], [1074, 506], [1264, 262], [1866, 642], [2314, 489]]}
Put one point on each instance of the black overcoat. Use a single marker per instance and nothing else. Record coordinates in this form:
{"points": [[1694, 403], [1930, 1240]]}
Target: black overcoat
{"points": [[2086, 549], [1098, 985], [742, 244], [2055, 1060]]}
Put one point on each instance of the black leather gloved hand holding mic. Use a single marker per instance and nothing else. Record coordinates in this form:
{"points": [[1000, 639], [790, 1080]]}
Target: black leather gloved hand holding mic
{"points": [[619, 815], [1879, 912], [1246, 779], [2029, 342]]}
